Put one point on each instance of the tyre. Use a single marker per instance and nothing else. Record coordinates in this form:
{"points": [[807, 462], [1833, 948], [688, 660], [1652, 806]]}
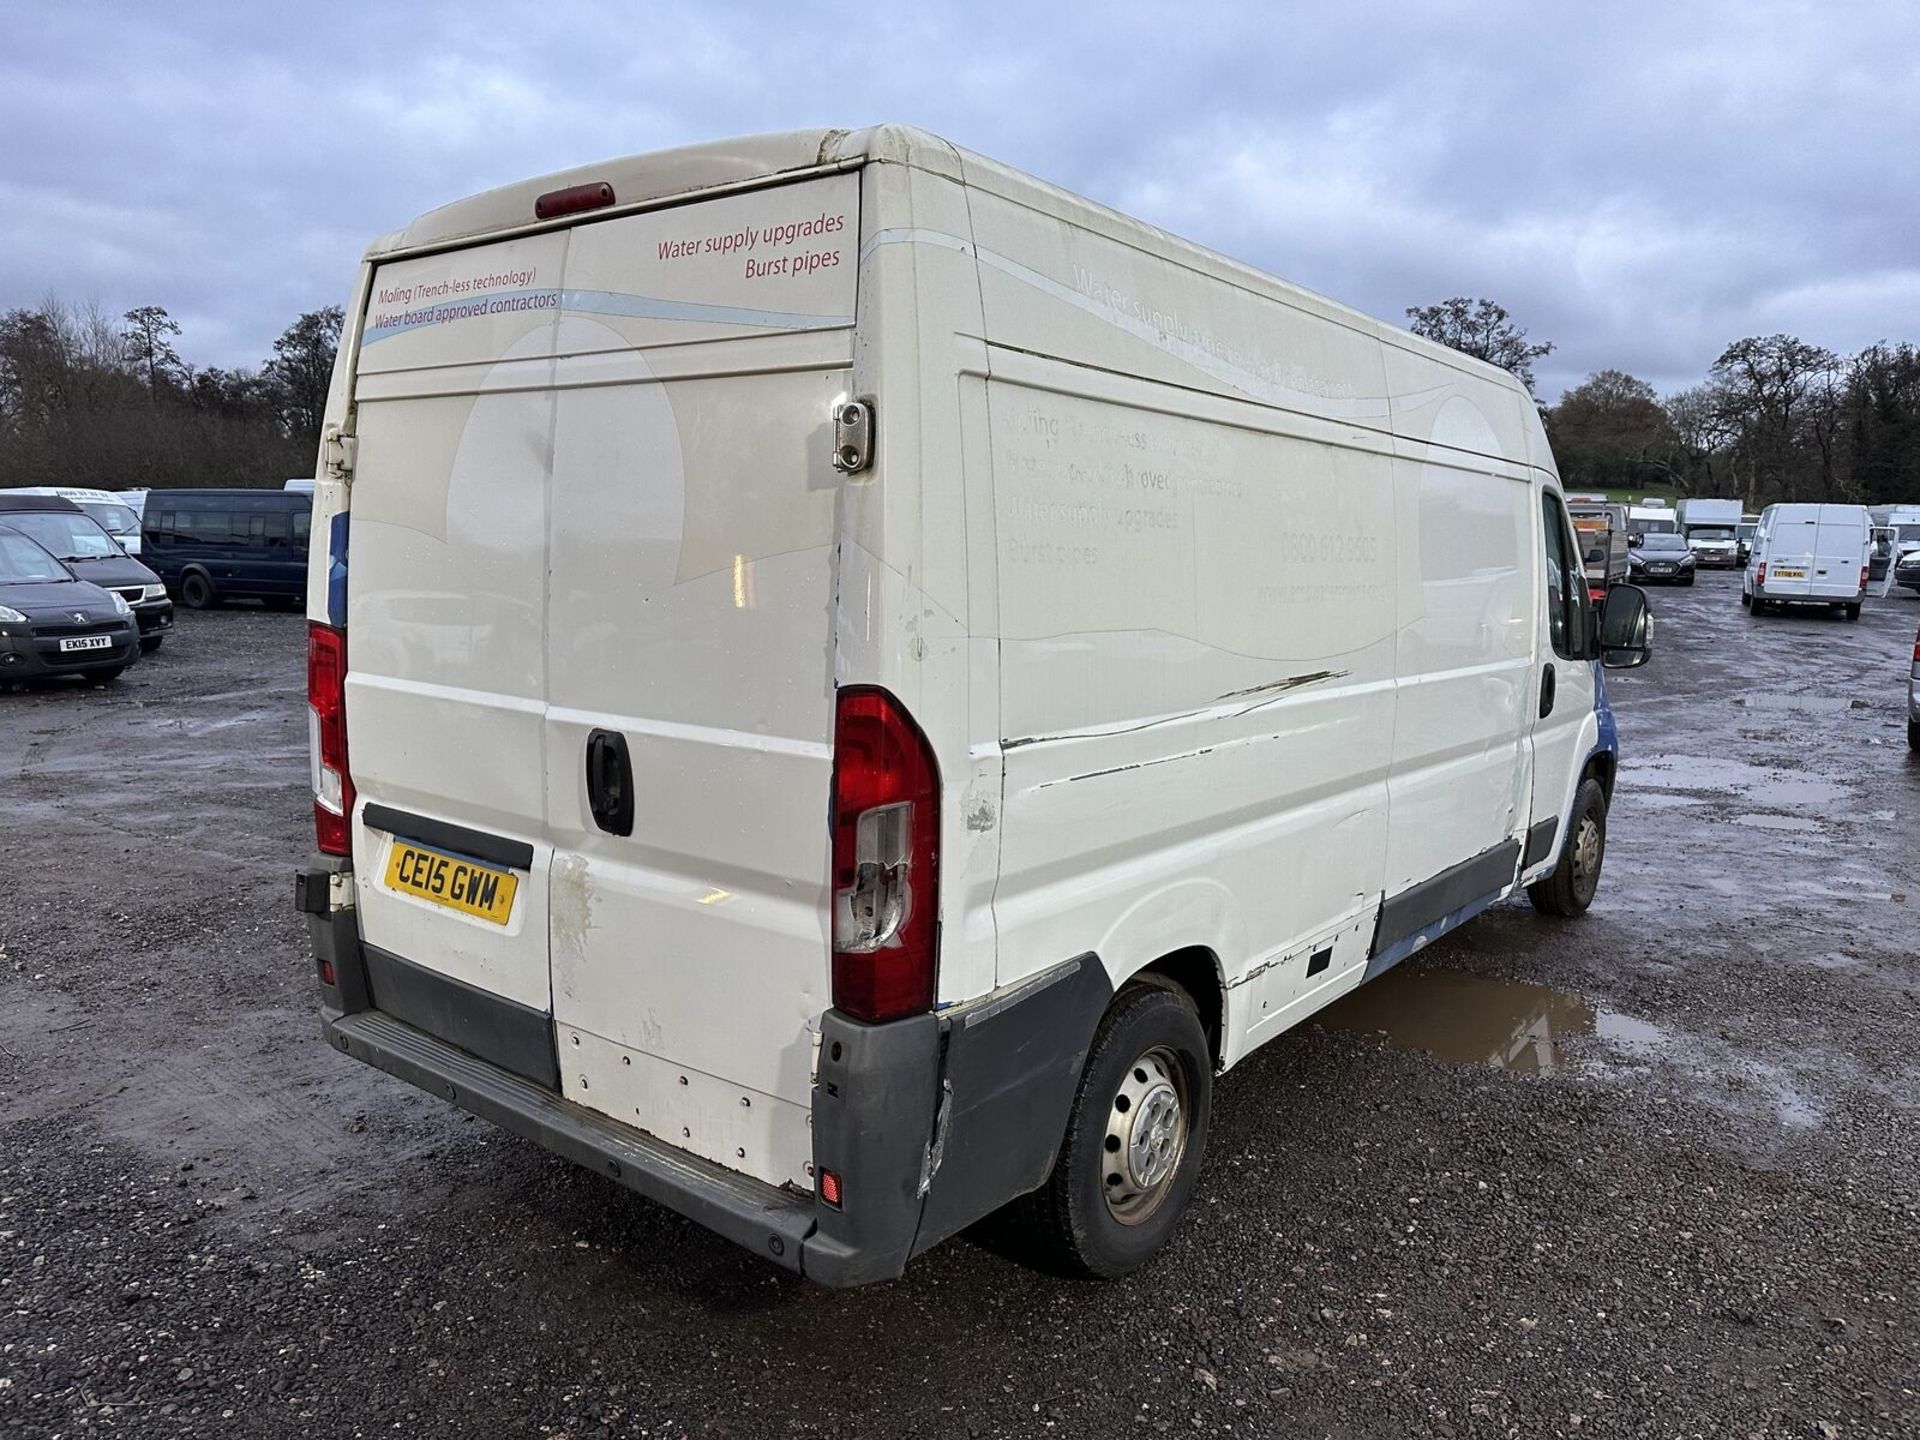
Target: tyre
{"points": [[150, 643], [197, 592], [279, 602], [1687, 581], [1134, 1140], [1853, 611], [103, 674], [1913, 734], [1759, 606], [1746, 599], [1569, 890]]}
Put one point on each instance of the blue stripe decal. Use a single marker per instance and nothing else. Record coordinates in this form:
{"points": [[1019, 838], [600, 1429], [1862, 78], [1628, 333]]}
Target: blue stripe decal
{"points": [[601, 302], [337, 571]]}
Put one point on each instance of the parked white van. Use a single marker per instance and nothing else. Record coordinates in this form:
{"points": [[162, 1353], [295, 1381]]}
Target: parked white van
{"points": [[1809, 555], [862, 680]]}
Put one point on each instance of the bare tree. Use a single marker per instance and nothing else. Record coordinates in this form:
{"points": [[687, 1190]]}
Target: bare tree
{"points": [[1482, 329], [1768, 386]]}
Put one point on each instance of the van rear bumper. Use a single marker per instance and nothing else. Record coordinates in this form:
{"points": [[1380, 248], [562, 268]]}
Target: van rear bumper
{"points": [[930, 1123], [776, 1223]]}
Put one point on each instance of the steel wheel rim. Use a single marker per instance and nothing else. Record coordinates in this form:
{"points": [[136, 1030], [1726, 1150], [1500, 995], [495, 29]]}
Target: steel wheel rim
{"points": [[1586, 855], [1146, 1138]]}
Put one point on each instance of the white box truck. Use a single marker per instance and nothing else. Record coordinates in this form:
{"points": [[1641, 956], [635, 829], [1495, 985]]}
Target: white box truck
{"points": [[1807, 554], [848, 683], [1712, 531]]}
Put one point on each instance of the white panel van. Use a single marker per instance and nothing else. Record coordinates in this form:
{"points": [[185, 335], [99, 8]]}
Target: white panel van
{"points": [[848, 683], [1809, 555]]}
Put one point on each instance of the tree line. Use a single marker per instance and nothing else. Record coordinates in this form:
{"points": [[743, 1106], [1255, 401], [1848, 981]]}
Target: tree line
{"points": [[1774, 419], [86, 399], [90, 400]]}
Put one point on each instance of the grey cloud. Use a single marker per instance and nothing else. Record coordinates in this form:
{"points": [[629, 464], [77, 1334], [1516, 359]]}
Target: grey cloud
{"points": [[1639, 182]]}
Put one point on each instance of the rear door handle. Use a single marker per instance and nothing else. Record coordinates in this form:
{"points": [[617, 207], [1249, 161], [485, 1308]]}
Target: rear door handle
{"points": [[610, 782], [1546, 690]]}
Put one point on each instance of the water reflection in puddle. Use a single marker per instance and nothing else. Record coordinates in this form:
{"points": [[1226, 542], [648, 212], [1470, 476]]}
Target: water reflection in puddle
{"points": [[1777, 822], [1469, 1019], [1517, 1025]]}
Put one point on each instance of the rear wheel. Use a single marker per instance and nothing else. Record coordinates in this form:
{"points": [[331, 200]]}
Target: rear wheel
{"points": [[197, 592], [1913, 734], [1745, 598], [1569, 890], [1134, 1140], [1853, 611]]}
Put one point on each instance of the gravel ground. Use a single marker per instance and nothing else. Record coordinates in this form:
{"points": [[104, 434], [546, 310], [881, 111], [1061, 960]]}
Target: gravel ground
{"points": [[1685, 1207]]}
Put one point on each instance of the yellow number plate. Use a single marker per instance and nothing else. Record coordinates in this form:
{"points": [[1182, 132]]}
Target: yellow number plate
{"points": [[1789, 572], [463, 885]]}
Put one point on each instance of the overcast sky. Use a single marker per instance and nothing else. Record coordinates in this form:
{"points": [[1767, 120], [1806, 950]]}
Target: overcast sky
{"points": [[1640, 184]]}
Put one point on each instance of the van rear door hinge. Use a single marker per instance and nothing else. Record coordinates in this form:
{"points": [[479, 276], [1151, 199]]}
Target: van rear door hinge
{"points": [[852, 435], [336, 453]]}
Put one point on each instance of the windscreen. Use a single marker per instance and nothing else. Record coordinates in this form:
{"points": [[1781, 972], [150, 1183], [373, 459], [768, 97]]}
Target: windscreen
{"points": [[69, 535], [24, 563], [1664, 542], [114, 519], [1710, 532]]}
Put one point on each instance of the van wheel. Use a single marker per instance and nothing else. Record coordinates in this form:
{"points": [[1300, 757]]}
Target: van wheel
{"points": [[1745, 598], [1760, 606], [1134, 1140], [1913, 734], [196, 591], [1853, 611], [1569, 890]]}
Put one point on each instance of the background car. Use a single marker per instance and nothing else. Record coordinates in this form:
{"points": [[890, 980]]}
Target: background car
{"points": [[1661, 559], [1907, 572], [54, 624], [77, 541], [110, 511]]}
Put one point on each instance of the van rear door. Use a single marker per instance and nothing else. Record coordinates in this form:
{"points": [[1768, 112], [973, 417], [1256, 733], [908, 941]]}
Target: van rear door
{"points": [[690, 664], [446, 639], [1791, 548], [591, 652], [1840, 552]]}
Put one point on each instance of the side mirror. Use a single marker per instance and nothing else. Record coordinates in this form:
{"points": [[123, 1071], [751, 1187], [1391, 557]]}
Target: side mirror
{"points": [[1626, 629]]}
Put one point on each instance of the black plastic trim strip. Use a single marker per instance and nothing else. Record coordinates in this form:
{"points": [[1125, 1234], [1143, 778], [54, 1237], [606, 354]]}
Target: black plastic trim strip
{"points": [[503, 1032], [444, 835], [768, 1221], [1540, 842], [1432, 900]]}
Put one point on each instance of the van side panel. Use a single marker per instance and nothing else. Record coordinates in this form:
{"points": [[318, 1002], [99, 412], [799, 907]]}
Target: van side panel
{"points": [[1197, 607]]}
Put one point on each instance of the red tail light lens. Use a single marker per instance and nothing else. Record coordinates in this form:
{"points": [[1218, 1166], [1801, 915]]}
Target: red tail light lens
{"points": [[1760, 575], [1916, 646], [327, 739], [886, 838], [1864, 571]]}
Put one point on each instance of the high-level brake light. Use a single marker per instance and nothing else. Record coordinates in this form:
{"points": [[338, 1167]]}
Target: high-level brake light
{"points": [[594, 195]]}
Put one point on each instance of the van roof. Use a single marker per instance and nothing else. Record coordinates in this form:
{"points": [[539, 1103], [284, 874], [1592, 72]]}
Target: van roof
{"points": [[17, 502], [646, 181], [290, 497]]}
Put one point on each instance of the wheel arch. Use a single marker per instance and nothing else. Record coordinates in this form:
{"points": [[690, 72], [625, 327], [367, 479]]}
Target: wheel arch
{"points": [[1195, 971]]}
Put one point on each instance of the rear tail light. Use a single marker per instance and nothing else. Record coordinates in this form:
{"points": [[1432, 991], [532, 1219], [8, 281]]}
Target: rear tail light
{"points": [[886, 829], [830, 1188], [1916, 647], [1760, 575], [1863, 577], [327, 739], [571, 201]]}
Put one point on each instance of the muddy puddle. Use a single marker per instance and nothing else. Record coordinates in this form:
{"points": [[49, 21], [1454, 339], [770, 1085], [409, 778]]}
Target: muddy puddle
{"points": [[1472, 1020], [1758, 785], [1536, 1029]]}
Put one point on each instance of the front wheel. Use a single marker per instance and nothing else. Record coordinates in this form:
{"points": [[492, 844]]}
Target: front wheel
{"points": [[103, 674], [1569, 890], [1134, 1140], [150, 643]]}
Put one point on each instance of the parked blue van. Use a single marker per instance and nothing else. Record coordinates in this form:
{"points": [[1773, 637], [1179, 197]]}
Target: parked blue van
{"points": [[215, 545]]}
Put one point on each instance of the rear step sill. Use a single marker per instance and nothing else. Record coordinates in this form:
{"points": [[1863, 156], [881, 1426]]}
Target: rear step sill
{"points": [[770, 1222]]}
